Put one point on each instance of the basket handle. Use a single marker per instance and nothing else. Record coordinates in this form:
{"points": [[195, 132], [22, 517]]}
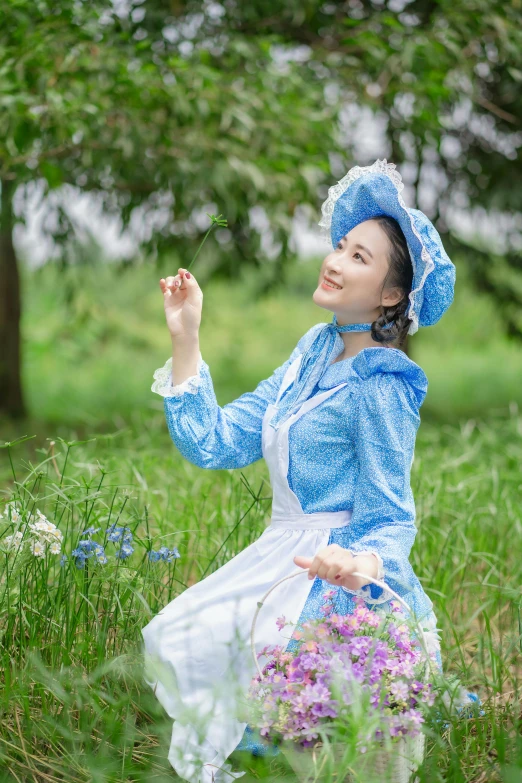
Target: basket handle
{"points": [[377, 582]]}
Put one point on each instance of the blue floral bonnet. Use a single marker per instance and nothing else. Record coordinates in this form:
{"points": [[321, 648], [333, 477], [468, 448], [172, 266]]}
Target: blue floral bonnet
{"points": [[370, 191], [367, 192]]}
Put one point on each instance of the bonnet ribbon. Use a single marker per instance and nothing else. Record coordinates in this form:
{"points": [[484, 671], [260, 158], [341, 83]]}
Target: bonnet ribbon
{"points": [[314, 362]]}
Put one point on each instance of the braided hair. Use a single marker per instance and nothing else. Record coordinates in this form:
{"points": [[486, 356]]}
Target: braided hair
{"points": [[399, 275]]}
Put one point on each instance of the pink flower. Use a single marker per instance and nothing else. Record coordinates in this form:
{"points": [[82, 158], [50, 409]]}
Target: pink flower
{"points": [[281, 622], [400, 690]]}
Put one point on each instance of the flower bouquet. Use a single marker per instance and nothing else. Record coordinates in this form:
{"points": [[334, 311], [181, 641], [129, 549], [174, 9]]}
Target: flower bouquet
{"points": [[350, 698]]}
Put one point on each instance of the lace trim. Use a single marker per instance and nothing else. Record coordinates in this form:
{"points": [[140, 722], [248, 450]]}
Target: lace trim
{"points": [[163, 381], [336, 191], [364, 592]]}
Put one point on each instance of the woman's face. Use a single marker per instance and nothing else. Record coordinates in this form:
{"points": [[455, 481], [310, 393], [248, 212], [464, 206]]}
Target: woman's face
{"points": [[352, 276]]}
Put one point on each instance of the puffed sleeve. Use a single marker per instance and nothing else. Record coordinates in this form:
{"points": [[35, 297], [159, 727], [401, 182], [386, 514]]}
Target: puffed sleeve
{"points": [[217, 437], [383, 516]]}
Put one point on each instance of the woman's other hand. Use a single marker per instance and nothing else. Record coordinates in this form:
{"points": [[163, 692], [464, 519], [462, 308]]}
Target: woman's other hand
{"points": [[336, 565]]}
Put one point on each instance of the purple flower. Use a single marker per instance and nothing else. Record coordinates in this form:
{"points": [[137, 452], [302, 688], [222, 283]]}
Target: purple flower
{"points": [[414, 716], [328, 710], [428, 695], [360, 645], [326, 609], [400, 690], [316, 693], [281, 622]]}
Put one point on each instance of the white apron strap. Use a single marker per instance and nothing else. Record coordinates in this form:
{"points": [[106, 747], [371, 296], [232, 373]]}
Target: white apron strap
{"points": [[289, 377]]}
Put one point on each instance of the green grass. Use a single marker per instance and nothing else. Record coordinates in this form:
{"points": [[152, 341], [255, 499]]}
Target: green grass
{"points": [[75, 707]]}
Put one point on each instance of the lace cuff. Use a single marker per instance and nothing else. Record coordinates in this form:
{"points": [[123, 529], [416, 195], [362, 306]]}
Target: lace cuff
{"points": [[163, 381], [364, 592]]}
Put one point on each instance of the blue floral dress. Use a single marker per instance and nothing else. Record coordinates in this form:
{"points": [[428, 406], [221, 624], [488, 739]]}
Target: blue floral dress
{"points": [[353, 453]]}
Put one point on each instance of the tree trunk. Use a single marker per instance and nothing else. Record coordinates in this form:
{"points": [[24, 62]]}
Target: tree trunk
{"points": [[11, 398]]}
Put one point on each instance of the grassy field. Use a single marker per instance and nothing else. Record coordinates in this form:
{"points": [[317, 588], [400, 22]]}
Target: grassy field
{"points": [[74, 707]]}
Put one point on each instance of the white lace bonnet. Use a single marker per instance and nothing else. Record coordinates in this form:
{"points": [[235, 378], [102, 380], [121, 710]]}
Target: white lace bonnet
{"points": [[369, 191]]}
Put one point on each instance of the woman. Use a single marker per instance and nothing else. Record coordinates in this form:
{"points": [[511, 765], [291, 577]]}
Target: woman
{"points": [[337, 425]]}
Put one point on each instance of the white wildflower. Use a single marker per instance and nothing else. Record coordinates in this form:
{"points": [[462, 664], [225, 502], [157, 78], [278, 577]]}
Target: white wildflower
{"points": [[52, 536], [45, 530], [13, 541], [42, 525], [38, 548], [55, 548], [12, 512]]}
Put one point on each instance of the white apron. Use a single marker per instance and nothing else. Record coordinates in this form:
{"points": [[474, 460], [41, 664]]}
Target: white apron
{"points": [[197, 649]]}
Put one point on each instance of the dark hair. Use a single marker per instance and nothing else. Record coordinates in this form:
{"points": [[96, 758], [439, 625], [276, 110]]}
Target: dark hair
{"points": [[400, 275]]}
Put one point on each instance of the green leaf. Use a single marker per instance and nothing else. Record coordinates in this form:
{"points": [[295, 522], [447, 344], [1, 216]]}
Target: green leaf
{"points": [[52, 173]]}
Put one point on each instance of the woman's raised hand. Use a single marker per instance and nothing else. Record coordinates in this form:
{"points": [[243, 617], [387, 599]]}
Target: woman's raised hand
{"points": [[183, 301]]}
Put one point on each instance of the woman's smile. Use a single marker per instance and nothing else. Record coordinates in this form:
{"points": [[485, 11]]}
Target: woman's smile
{"points": [[328, 283]]}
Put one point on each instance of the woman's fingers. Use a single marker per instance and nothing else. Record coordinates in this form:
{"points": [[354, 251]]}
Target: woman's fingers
{"points": [[303, 562], [170, 285], [333, 564], [320, 564], [182, 281], [338, 570]]}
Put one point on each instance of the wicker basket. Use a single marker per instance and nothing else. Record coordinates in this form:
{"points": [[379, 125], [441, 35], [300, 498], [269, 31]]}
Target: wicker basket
{"points": [[396, 766]]}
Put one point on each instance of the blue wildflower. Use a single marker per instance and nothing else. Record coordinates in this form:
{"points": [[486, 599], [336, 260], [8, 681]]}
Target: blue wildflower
{"points": [[91, 531], [115, 533], [172, 554], [87, 547], [63, 560], [118, 533], [164, 553], [124, 551], [80, 557], [101, 557]]}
